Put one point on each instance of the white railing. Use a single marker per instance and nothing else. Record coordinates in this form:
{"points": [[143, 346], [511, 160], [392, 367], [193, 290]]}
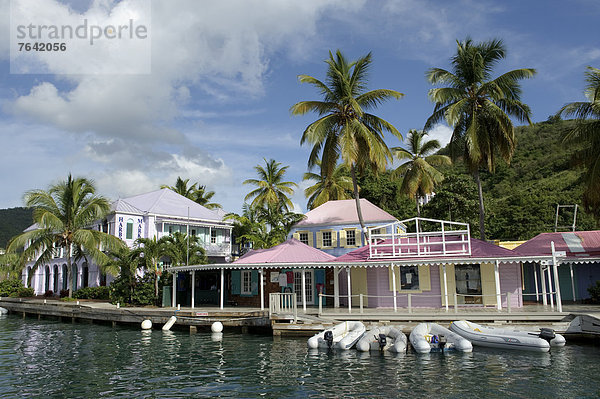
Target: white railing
{"points": [[283, 304], [452, 301], [452, 238]]}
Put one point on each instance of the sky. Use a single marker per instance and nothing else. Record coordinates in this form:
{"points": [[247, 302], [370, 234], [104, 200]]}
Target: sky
{"points": [[206, 94]]}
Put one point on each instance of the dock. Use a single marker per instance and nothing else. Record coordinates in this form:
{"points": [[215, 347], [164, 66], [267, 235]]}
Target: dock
{"points": [[307, 323]]}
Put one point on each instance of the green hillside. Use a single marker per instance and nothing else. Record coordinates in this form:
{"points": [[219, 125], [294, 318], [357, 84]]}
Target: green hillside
{"points": [[12, 222], [520, 198]]}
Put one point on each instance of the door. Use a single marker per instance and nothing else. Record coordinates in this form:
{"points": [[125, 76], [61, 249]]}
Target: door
{"points": [[310, 286]]}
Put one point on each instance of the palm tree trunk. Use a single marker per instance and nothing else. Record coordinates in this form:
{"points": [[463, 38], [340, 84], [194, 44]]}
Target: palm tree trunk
{"points": [[69, 271], [418, 208], [481, 208], [357, 200]]}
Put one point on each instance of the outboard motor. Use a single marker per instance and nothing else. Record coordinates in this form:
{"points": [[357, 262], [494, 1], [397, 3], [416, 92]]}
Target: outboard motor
{"points": [[328, 337], [442, 341], [547, 334], [382, 341]]}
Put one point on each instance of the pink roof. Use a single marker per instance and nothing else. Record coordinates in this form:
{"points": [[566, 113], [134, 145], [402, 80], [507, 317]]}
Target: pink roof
{"points": [[578, 243], [344, 212], [479, 249], [290, 251]]}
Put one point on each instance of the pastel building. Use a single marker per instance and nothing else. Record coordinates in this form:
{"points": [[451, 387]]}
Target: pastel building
{"points": [[334, 227], [154, 214], [579, 255]]}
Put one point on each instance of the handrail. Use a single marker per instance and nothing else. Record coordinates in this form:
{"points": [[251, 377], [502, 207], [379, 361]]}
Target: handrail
{"points": [[283, 303], [409, 296]]}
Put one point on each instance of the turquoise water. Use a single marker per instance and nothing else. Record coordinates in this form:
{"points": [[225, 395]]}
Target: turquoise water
{"points": [[52, 359]]}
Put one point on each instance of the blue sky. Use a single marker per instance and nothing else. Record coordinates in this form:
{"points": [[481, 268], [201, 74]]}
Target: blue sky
{"points": [[224, 75]]}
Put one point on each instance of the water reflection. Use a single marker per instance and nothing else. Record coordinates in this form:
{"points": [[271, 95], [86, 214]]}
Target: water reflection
{"points": [[50, 359]]}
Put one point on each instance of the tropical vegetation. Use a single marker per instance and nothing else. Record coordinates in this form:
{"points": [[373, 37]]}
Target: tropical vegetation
{"points": [[419, 175], [345, 129], [479, 108], [585, 134], [271, 190], [196, 192], [329, 185], [63, 217]]}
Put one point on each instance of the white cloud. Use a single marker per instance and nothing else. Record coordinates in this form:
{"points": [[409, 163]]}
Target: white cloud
{"points": [[441, 133]]}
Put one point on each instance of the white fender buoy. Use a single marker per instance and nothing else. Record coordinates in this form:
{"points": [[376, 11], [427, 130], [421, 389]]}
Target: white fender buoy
{"points": [[169, 323], [216, 327], [216, 337], [146, 324], [3, 311]]}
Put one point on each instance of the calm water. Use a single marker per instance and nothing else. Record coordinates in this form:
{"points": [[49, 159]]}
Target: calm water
{"points": [[52, 359]]}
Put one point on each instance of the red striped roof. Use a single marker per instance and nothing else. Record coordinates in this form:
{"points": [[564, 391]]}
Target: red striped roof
{"points": [[575, 244], [479, 249]]}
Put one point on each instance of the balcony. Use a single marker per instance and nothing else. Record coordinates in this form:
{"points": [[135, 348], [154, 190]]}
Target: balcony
{"points": [[419, 237]]}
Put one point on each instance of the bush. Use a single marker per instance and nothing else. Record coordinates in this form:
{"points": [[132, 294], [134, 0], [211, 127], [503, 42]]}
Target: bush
{"points": [[10, 287], [92, 293], [25, 292], [594, 291], [64, 293], [49, 293], [138, 291]]}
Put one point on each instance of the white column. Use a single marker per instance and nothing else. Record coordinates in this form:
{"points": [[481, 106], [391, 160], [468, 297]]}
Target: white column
{"points": [[543, 281], [394, 287], [222, 286], [550, 293], [497, 281], [572, 281], [349, 290], [445, 286], [336, 287], [556, 280], [535, 279], [262, 289], [303, 291], [193, 287], [174, 300]]}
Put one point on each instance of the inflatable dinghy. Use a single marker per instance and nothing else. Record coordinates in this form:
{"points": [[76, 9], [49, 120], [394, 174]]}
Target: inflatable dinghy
{"points": [[342, 336], [507, 338], [390, 338], [431, 337]]}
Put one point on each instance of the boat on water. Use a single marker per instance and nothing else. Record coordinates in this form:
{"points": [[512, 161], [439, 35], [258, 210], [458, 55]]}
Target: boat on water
{"points": [[431, 337], [383, 338], [342, 336], [508, 338]]}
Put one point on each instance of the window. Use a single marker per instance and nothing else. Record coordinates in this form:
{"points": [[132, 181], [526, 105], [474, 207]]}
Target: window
{"points": [[129, 231], [327, 238], [409, 278], [351, 238], [246, 282], [213, 236], [304, 238]]}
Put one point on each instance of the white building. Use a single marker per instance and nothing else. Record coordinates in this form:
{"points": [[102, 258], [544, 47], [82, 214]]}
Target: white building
{"points": [[154, 214]]}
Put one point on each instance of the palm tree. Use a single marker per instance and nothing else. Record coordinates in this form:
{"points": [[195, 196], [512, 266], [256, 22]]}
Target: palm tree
{"points": [[272, 190], [203, 197], [479, 107], [419, 174], [587, 132], [11, 266], [181, 188], [63, 216], [184, 249], [344, 128], [125, 263], [152, 250], [195, 192], [332, 186]]}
